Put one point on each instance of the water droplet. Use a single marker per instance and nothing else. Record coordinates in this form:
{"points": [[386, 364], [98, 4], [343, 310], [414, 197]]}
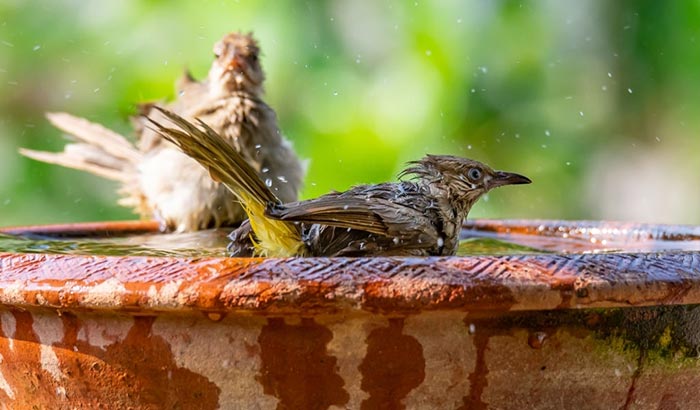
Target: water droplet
{"points": [[484, 69], [469, 146], [544, 146], [345, 207], [547, 133], [473, 90], [459, 21], [96, 90], [610, 75], [536, 339], [268, 182], [258, 146], [604, 87], [281, 178], [580, 113], [568, 163], [395, 240], [472, 328], [440, 242], [36, 47], [335, 93], [629, 90], [213, 316], [658, 139], [265, 170], [428, 53]]}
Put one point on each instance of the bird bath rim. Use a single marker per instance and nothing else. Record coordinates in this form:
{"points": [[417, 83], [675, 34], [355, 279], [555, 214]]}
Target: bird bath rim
{"points": [[388, 285]]}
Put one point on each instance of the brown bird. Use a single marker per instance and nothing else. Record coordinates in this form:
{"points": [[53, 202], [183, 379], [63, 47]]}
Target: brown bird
{"points": [[161, 182], [420, 217]]}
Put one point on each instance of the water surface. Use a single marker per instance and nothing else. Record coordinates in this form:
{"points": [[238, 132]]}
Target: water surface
{"points": [[212, 243]]}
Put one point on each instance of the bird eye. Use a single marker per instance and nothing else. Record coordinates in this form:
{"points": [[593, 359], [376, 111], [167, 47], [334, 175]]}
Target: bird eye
{"points": [[474, 174]]}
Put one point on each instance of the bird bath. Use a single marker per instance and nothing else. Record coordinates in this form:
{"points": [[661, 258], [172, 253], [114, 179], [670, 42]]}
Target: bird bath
{"points": [[585, 315]]}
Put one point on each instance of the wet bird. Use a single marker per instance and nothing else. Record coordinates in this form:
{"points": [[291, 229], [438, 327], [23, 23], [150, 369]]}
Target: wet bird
{"points": [[422, 216], [157, 179]]}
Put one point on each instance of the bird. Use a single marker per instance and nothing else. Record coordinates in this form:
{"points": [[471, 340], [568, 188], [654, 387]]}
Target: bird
{"points": [[421, 215], [159, 181]]}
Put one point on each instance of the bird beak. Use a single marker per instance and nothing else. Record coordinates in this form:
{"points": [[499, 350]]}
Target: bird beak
{"points": [[237, 63], [508, 178]]}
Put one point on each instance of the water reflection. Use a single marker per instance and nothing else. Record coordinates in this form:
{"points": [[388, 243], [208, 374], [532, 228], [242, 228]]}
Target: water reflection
{"points": [[478, 238]]}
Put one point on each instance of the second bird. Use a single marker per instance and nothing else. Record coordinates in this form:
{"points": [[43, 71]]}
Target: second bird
{"points": [[161, 182]]}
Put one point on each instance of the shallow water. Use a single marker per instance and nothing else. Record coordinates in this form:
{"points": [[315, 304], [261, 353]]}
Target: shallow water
{"points": [[204, 243], [212, 243], [493, 246]]}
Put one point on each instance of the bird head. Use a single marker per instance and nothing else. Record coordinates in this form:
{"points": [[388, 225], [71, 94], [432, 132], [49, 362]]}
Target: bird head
{"points": [[463, 179], [237, 65]]}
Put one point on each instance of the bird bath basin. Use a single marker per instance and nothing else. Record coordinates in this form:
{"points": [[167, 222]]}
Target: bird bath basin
{"points": [[584, 315]]}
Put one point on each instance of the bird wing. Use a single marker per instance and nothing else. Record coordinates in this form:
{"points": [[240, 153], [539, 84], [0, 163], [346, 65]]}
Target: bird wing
{"points": [[374, 215], [333, 211]]}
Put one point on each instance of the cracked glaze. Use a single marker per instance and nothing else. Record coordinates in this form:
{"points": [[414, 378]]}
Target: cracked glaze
{"points": [[518, 282]]}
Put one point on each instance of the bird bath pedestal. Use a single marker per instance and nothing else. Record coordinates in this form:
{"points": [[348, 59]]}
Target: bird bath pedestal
{"points": [[608, 320]]}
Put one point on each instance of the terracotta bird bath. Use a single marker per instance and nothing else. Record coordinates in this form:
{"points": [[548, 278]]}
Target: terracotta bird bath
{"points": [[589, 316]]}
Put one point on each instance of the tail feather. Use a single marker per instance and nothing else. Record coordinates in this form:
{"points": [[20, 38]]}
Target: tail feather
{"points": [[95, 135], [99, 151], [82, 157], [226, 165]]}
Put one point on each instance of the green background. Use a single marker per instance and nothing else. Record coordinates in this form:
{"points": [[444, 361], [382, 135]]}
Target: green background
{"points": [[597, 101]]}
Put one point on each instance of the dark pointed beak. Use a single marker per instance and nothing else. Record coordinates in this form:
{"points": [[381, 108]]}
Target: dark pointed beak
{"points": [[508, 178]]}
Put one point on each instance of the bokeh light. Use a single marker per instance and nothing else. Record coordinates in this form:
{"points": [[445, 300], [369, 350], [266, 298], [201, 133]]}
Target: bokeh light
{"points": [[598, 102]]}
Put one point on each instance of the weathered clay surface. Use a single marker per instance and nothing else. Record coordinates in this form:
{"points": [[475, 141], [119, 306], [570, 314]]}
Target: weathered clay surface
{"points": [[557, 331]]}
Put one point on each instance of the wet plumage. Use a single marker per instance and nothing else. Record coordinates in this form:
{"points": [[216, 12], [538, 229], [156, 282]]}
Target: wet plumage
{"points": [[421, 217]]}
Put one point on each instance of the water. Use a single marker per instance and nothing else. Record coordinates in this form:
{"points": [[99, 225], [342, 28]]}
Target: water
{"points": [[198, 244], [492, 246], [579, 237], [479, 238]]}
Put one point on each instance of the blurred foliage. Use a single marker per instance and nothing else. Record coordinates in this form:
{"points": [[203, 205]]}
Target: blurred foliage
{"points": [[598, 102]]}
